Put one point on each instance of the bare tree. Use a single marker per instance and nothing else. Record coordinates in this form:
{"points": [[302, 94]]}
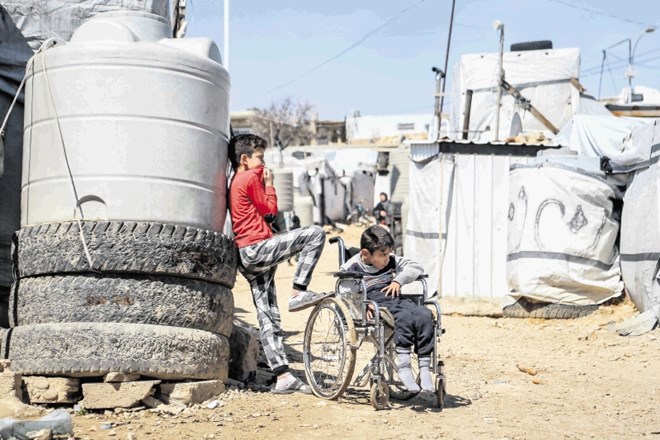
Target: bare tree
{"points": [[284, 123]]}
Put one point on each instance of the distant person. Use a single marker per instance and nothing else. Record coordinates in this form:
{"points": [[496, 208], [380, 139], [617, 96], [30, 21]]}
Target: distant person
{"points": [[384, 274], [380, 210], [253, 204]]}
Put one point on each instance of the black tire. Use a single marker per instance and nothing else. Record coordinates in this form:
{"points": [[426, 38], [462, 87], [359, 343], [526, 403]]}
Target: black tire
{"points": [[176, 302], [543, 310], [94, 349], [127, 247], [531, 45]]}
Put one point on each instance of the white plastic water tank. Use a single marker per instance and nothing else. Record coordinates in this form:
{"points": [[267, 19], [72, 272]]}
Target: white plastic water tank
{"points": [[283, 183], [144, 120], [304, 209]]}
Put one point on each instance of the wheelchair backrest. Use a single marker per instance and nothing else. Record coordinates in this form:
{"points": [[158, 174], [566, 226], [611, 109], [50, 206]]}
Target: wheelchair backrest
{"points": [[345, 253]]}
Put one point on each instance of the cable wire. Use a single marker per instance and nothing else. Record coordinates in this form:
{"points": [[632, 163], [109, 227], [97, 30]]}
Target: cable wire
{"points": [[597, 12], [77, 206], [349, 48]]}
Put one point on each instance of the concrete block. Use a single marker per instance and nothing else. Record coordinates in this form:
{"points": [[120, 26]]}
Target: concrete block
{"points": [[120, 377], [244, 349], [41, 389], [116, 395], [11, 384], [190, 392]]}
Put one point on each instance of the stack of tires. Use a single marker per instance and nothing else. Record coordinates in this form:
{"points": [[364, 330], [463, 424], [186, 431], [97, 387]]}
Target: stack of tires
{"points": [[130, 274], [156, 302]]}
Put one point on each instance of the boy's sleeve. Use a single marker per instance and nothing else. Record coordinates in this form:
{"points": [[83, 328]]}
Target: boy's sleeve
{"points": [[407, 270], [263, 198]]}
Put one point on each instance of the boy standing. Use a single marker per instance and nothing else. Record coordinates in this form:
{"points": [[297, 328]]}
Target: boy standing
{"points": [[384, 274], [253, 203]]}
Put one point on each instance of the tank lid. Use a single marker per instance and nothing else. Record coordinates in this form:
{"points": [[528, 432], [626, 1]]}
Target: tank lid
{"points": [[123, 27]]}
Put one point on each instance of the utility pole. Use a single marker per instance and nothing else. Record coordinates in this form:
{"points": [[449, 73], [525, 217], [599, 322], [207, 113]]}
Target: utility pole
{"points": [[499, 26], [444, 73], [226, 54]]}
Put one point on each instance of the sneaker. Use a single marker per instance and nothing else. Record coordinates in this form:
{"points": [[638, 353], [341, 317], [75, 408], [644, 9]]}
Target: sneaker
{"points": [[296, 386], [306, 299]]}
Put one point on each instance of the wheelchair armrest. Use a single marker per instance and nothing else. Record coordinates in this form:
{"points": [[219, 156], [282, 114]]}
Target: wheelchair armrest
{"points": [[422, 276], [334, 240], [345, 275]]}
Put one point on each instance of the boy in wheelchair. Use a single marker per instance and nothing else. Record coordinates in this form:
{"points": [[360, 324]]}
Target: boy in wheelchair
{"points": [[384, 274]]}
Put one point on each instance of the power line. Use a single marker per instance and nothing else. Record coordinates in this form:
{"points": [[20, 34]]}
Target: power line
{"points": [[597, 12], [638, 63], [621, 60], [349, 48]]}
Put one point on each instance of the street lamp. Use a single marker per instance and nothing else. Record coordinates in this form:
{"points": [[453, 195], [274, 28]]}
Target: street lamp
{"points": [[630, 71]]}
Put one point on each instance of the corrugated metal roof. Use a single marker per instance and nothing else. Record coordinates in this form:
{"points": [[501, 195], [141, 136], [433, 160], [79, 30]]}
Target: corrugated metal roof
{"points": [[420, 151]]}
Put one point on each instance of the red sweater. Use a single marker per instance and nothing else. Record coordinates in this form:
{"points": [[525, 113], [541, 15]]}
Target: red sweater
{"points": [[249, 201]]}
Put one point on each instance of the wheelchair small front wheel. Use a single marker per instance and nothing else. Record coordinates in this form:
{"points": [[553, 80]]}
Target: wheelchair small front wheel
{"points": [[329, 348], [441, 390], [380, 395]]}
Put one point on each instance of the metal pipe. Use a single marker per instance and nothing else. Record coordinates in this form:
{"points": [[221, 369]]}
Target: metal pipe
{"points": [[444, 82], [466, 115], [500, 78], [226, 54]]}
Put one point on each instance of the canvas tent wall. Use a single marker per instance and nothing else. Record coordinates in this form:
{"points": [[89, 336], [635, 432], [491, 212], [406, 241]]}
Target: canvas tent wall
{"points": [[542, 76], [39, 20], [562, 232], [458, 211], [640, 227]]}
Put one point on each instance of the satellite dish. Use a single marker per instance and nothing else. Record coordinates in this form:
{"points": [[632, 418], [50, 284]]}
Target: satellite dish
{"points": [[516, 125]]}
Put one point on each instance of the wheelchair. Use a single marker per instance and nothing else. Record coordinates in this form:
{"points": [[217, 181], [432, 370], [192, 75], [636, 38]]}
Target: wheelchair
{"points": [[339, 326]]}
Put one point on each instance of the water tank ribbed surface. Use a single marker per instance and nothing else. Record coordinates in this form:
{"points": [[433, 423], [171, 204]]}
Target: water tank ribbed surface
{"points": [[304, 208], [144, 123], [400, 161], [283, 183]]}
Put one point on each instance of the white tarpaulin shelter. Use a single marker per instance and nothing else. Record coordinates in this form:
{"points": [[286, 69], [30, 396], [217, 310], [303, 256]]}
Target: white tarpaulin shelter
{"points": [[542, 76], [457, 218], [561, 235], [640, 230], [41, 20], [625, 142]]}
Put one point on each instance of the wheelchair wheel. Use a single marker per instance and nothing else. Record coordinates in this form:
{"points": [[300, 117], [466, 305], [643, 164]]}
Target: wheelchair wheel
{"points": [[329, 348], [380, 395]]}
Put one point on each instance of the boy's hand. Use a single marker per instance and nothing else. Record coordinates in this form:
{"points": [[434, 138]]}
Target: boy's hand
{"points": [[268, 177], [393, 290]]}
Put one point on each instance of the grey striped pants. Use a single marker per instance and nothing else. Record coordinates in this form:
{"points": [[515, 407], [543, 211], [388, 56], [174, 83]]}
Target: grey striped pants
{"points": [[258, 265]]}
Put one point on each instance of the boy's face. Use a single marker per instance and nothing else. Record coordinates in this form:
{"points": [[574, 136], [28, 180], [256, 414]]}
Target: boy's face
{"points": [[254, 161], [378, 259]]}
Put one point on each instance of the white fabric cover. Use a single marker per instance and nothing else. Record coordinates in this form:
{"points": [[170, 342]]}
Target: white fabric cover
{"points": [[626, 142], [40, 20], [430, 201], [542, 76], [640, 238], [561, 236]]}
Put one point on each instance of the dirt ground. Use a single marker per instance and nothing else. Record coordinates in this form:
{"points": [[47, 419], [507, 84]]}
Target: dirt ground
{"points": [[507, 379]]}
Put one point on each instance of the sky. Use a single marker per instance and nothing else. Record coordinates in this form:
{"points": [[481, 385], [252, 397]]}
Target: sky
{"points": [[375, 56]]}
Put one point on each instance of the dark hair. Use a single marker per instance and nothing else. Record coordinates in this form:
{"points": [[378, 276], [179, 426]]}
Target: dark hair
{"points": [[376, 238], [384, 194], [244, 144]]}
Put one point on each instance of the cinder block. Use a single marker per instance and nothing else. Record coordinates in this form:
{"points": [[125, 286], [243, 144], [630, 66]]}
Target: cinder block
{"points": [[244, 349], [42, 389], [116, 395], [190, 392]]}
